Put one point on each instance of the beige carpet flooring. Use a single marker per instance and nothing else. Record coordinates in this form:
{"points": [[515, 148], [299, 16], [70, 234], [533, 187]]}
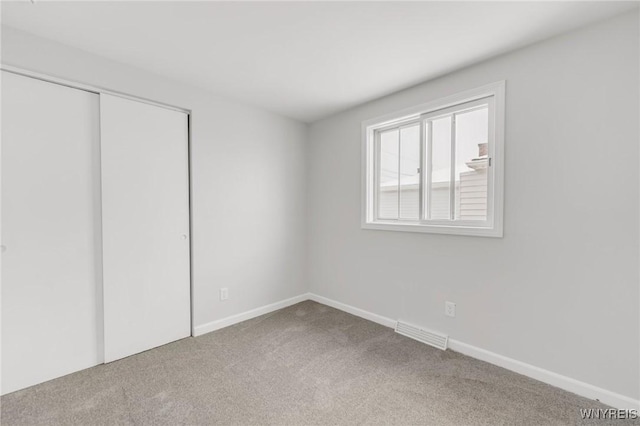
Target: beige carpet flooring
{"points": [[306, 364]]}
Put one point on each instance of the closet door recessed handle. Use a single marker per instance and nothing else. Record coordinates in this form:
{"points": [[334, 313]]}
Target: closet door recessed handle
{"points": [[184, 236]]}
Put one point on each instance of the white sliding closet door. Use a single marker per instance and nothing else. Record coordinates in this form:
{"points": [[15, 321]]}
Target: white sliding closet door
{"points": [[145, 217], [51, 295]]}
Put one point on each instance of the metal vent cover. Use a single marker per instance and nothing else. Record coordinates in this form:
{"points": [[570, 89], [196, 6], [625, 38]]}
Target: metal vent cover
{"points": [[429, 337]]}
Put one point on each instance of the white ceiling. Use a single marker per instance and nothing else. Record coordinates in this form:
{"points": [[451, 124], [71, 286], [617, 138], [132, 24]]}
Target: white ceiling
{"points": [[305, 60]]}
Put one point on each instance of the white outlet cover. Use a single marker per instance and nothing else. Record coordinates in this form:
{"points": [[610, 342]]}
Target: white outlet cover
{"points": [[450, 309], [224, 293]]}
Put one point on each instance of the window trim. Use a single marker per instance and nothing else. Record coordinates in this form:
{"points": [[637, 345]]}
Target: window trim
{"points": [[419, 113]]}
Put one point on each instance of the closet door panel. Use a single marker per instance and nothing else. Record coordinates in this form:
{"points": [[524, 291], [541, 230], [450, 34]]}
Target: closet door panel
{"points": [[51, 295], [145, 226]]}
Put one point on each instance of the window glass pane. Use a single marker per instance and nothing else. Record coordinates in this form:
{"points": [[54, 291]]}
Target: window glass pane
{"points": [[389, 162], [409, 172], [440, 192], [472, 133]]}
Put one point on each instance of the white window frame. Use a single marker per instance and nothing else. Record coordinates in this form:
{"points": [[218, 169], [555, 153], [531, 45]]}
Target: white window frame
{"points": [[494, 94]]}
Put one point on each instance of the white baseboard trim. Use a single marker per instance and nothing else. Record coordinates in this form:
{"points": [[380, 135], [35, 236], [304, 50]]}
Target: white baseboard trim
{"points": [[554, 379], [234, 319], [549, 377], [387, 322]]}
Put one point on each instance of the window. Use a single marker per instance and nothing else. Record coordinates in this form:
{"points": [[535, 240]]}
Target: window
{"points": [[437, 167]]}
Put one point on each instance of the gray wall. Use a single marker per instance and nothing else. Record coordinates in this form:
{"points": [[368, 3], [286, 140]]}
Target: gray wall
{"points": [[248, 179], [560, 290]]}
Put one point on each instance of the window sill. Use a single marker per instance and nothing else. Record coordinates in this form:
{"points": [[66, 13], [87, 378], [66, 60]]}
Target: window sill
{"points": [[435, 229]]}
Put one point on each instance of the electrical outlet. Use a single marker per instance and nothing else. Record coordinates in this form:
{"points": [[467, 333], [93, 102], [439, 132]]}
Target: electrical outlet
{"points": [[224, 293], [450, 309]]}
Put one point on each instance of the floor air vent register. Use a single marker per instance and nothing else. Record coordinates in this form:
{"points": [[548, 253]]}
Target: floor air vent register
{"points": [[429, 337]]}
